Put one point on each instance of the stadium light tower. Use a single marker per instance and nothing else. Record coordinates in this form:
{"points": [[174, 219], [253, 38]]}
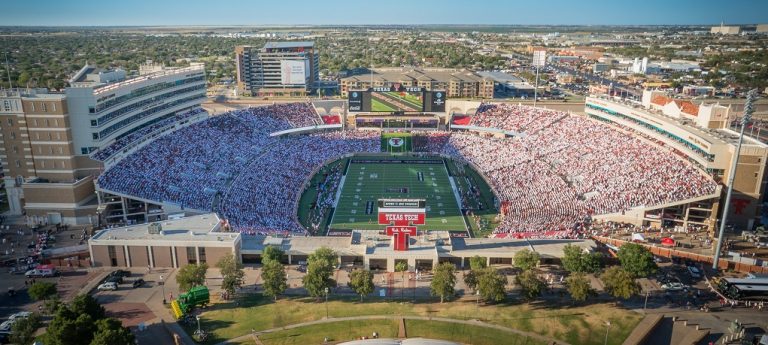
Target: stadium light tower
{"points": [[539, 60], [748, 110]]}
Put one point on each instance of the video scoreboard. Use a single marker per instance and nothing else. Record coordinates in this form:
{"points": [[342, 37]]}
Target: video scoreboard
{"points": [[396, 99]]}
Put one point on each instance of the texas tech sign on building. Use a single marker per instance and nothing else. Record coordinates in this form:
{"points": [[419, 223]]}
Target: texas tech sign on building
{"points": [[400, 216]]}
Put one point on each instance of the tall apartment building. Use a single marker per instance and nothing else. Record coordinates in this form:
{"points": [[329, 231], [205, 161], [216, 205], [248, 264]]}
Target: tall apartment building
{"points": [[47, 137], [43, 177], [455, 82], [277, 69]]}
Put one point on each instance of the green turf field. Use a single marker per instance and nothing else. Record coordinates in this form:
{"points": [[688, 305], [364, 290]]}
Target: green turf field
{"points": [[366, 182], [405, 143]]}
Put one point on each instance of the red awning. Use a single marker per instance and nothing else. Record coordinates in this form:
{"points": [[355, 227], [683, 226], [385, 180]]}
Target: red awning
{"points": [[666, 241]]}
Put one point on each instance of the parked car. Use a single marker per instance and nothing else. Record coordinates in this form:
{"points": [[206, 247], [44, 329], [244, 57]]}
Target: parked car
{"points": [[19, 315], [120, 273], [138, 282], [116, 280], [107, 286], [694, 272], [41, 273], [674, 286]]}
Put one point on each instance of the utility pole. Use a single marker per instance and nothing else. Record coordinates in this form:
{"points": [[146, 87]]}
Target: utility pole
{"points": [[748, 110], [8, 71]]}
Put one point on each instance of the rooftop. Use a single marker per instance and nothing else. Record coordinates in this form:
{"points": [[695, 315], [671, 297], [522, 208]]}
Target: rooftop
{"points": [[291, 44], [202, 228]]}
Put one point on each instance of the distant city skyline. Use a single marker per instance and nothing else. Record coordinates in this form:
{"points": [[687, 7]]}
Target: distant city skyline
{"points": [[396, 12]]}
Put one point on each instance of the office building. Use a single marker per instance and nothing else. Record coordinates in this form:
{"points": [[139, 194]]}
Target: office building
{"points": [[455, 82], [277, 69]]}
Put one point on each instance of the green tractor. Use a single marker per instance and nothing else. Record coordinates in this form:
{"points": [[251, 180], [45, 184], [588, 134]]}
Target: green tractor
{"points": [[197, 296]]}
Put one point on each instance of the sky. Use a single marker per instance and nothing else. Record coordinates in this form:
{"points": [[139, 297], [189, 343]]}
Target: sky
{"points": [[344, 12]]}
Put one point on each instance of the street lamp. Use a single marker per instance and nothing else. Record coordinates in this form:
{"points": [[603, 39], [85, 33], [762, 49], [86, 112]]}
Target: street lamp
{"points": [[326, 302], [748, 110], [162, 285], [198, 323], [607, 328]]}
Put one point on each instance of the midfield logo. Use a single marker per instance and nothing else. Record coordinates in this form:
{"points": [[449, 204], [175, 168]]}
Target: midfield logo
{"points": [[396, 142]]}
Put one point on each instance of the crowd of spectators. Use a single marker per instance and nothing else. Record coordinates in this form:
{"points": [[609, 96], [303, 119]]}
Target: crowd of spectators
{"points": [[190, 166], [164, 125], [517, 118], [554, 179], [263, 199], [549, 181]]}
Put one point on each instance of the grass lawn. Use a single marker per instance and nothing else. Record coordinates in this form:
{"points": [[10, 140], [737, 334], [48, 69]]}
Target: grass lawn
{"points": [[576, 325], [465, 334], [336, 331]]}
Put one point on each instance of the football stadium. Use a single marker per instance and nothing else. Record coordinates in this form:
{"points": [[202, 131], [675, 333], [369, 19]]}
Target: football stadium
{"points": [[501, 170]]}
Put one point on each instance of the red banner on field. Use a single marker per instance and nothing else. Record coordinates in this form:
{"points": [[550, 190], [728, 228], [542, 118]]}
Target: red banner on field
{"points": [[401, 218]]}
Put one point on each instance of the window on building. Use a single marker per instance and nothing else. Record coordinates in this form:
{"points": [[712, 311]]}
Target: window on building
{"points": [[37, 135], [58, 136], [191, 255], [13, 135], [112, 252], [42, 164], [47, 123], [201, 251], [10, 122], [43, 107], [91, 110], [62, 165], [34, 122], [7, 105], [61, 150], [18, 163], [50, 149], [95, 136], [40, 150], [50, 137], [56, 122], [94, 123], [53, 106], [84, 150], [15, 149]]}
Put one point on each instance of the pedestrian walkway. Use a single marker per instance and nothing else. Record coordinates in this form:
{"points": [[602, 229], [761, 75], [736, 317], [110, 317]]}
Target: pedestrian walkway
{"points": [[402, 331]]}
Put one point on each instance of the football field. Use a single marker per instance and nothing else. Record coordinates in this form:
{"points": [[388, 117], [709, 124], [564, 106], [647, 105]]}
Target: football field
{"points": [[369, 179]]}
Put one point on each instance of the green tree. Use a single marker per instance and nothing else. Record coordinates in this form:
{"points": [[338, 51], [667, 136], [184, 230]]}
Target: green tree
{"points": [[274, 278], [361, 281], [578, 287], [232, 273], [191, 275], [526, 259], [491, 284], [637, 260], [24, 77], [576, 260], [619, 283], [401, 266], [86, 304], [23, 330], [111, 332], [69, 328], [271, 253], [317, 280], [530, 284], [477, 262], [42, 291], [443, 281], [471, 279], [320, 266]]}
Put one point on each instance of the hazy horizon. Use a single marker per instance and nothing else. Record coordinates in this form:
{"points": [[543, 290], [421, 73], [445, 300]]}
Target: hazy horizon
{"points": [[139, 13]]}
